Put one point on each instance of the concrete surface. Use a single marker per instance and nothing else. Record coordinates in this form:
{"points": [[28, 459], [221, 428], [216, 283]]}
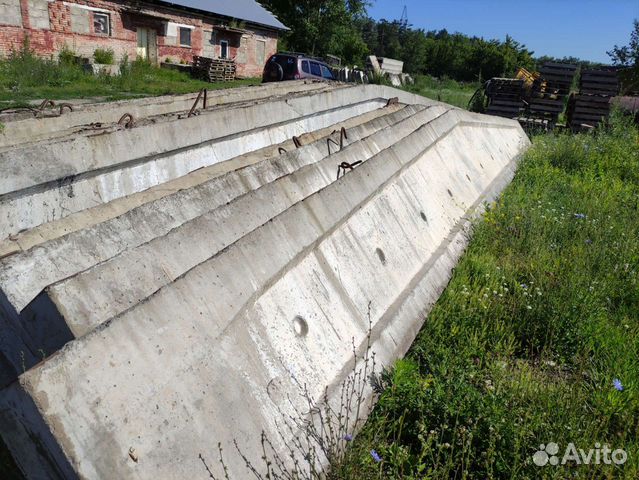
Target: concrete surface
{"points": [[23, 127], [173, 321], [103, 167]]}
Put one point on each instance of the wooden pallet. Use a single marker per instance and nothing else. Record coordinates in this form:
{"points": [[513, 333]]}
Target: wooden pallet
{"points": [[599, 82], [214, 69], [591, 106], [505, 97], [551, 89], [587, 111]]}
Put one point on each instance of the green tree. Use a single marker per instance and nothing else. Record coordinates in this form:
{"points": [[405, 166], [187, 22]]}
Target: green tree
{"points": [[628, 55], [323, 27]]}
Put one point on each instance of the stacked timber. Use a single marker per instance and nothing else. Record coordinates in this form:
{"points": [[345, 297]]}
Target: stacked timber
{"points": [[550, 90], [591, 105], [214, 69], [505, 97]]}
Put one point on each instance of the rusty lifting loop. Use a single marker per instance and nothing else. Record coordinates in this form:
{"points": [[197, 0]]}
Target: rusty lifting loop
{"points": [[281, 150], [45, 103], [392, 101], [342, 135], [297, 142], [126, 120], [343, 167], [193, 111], [65, 105]]}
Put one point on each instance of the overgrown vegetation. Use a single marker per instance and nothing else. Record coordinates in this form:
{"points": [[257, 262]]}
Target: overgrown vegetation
{"points": [[444, 90], [25, 76], [104, 56], [536, 338]]}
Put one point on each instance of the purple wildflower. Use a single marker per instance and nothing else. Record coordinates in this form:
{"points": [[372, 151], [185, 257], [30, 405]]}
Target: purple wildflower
{"points": [[348, 437], [580, 216], [376, 456], [617, 384]]}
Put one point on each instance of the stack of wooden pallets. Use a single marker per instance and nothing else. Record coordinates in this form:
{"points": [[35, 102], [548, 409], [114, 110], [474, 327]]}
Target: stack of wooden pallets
{"points": [[591, 105], [550, 90], [505, 97], [214, 69]]}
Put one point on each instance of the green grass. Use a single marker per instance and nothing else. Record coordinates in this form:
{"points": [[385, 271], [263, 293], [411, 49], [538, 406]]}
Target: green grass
{"points": [[24, 77], [540, 317], [444, 90]]}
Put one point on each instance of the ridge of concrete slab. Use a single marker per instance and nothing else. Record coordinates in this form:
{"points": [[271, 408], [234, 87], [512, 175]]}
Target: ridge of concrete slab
{"points": [[103, 298], [184, 364]]}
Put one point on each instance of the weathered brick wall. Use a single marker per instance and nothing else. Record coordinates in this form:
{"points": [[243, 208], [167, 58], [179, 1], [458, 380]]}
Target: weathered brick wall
{"points": [[52, 25], [249, 65]]}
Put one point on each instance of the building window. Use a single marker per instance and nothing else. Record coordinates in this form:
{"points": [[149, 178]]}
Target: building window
{"points": [[101, 23], [224, 49], [185, 37]]}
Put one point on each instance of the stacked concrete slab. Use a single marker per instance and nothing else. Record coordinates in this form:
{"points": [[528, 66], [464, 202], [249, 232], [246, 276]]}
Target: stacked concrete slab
{"points": [[170, 285]]}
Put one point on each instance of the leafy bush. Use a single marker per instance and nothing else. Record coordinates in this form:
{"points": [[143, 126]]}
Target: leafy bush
{"points": [[24, 76], [104, 56], [24, 70], [67, 56]]}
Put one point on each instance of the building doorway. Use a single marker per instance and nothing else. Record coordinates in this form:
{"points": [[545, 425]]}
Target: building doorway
{"points": [[147, 44]]}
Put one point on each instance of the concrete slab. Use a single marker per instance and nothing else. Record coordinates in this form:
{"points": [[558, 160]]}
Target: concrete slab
{"points": [[279, 293], [23, 127], [25, 208], [27, 239], [86, 300]]}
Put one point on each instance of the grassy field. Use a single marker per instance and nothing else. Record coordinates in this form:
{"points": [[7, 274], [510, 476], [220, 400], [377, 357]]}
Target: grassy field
{"points": [[536, 338], [444, 90], [25, 77]]}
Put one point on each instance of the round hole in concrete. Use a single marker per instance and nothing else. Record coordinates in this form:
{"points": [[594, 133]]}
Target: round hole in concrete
{"points": [[423, 215], [381, 255], [300, 325]]}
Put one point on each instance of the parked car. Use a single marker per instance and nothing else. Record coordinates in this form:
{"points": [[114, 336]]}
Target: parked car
{"points": [[295, 66]]}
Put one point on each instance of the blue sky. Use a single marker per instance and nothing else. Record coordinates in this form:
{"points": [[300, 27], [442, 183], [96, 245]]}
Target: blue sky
{"points": [[580, 28]]}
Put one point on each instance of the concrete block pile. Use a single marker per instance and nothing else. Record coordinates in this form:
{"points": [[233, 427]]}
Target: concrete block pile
{"points": [[169, 279]]}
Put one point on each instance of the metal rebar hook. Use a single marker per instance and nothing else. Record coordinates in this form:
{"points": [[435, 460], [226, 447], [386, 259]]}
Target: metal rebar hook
{"points": [[126, 120], [343, 167], [193, 111]]}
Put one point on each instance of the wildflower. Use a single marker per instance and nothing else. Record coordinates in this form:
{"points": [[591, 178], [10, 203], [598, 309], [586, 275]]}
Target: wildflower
{"points": [[376, 456], [588, 241], [580, 216], [348, 437], [617, 384]]}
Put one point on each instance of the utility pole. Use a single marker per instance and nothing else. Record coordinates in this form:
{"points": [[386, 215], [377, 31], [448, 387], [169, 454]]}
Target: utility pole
{"points": [[404, 20]]}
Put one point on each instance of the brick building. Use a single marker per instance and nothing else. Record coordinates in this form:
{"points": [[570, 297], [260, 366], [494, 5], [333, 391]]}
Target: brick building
{"points": [[157, 30]]}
